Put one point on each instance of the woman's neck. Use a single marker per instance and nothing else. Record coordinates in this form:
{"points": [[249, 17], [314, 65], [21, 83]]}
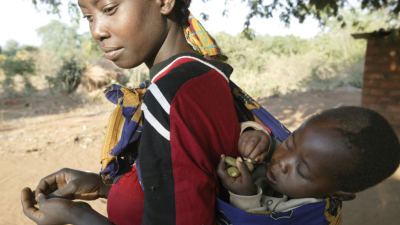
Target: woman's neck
{"points": [[174, 43]]}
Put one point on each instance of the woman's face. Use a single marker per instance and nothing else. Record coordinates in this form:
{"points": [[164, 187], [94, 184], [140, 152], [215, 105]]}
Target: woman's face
{"points": [[129, 32]]}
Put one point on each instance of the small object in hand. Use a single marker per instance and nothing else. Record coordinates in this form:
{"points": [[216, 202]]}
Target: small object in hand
{"points": [[230, 161], [250, 166], [233, 172]]}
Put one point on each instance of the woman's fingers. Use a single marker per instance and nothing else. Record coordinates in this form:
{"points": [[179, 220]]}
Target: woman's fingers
{"points": [[28, 205], [66, 191], [52, 183], [46, 185]]}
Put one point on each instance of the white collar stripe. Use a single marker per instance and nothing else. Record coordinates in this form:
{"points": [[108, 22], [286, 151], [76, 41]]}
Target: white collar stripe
{"points": [[205, 63], [160, 97], [154, 122]]}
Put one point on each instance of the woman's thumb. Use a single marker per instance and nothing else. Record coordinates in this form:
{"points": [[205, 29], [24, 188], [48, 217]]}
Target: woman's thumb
{"points": [[65, 192], [41, 198]]}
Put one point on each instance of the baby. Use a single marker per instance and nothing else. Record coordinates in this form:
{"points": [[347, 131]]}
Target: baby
{"points": [[335, 154]]}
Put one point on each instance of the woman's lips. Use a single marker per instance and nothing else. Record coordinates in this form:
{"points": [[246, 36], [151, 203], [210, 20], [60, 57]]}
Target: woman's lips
{"points": [[114, 54], [270, 175]]}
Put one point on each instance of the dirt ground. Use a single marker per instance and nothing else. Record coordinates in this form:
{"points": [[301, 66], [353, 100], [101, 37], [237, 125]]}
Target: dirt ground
{"points": [[39, 136]]}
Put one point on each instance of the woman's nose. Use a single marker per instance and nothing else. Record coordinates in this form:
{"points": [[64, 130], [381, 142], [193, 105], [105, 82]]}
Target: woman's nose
{"points": [[99, 30]]}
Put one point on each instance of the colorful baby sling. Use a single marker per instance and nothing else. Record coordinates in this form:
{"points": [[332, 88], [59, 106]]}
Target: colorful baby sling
{"points": [[125, 126], [325, 212], [124, 129]]}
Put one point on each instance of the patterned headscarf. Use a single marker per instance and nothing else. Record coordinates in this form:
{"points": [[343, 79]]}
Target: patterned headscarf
{"points": [[198, 37]]}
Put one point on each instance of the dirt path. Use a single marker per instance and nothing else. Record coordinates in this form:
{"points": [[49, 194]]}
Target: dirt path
{"points": [[34, 143]]}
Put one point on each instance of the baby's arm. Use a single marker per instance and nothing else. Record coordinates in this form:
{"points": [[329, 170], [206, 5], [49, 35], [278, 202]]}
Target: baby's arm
{"points": [[244, 194], [254, 142], [242, 185]]}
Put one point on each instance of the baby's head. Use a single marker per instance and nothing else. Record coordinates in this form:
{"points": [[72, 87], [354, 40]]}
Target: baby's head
{"points": [[335, 154]]}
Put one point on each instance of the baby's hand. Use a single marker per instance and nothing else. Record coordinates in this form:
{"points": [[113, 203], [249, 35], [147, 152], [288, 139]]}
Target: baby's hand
{"points": [[242, 185], [254, 145]]}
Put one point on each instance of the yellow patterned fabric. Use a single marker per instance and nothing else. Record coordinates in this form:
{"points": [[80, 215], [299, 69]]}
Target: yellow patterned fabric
{"points": [[113, 133], [199, 38], [333, 211], [124, 125]]}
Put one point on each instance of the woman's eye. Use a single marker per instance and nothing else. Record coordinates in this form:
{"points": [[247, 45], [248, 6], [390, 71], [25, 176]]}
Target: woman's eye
{"points": [[89, 18], [110, 10]]}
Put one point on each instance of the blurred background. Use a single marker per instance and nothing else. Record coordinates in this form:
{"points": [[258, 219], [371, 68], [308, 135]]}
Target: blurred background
{"points": [[296, 59]]}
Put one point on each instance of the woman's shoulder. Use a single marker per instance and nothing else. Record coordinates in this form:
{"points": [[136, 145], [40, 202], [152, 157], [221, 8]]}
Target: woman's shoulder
{"points": [[186, 66]]}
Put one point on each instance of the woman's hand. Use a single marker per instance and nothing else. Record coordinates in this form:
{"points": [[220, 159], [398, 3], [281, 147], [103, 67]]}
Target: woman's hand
{"points": [[73, 184], [242, 185], [58, 210], [52, 211], [254, 145]]}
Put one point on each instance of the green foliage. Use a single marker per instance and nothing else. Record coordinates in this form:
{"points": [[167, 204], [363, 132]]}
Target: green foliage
{"points": [[272, 66], [289, 45], [322, 10], [90, 47], [68, 77], [53, 7], [11, 48], [13, 65], [60, 38], [362, 21], [29, 48]]}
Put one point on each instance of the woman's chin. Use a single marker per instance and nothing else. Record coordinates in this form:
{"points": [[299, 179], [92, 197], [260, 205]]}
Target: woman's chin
{"points": [[125, 64]]}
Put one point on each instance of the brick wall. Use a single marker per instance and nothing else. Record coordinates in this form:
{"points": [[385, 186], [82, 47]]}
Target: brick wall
{"points": [[381, 86]]}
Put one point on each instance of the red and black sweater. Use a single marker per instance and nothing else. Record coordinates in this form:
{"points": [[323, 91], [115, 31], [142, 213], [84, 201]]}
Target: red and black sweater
{"points": [[189, 121]]}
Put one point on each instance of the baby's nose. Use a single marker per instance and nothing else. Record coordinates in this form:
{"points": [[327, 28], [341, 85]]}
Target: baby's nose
{"points": [[274, 164]]}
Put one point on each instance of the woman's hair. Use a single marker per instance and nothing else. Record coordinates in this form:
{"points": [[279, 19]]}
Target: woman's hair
{"points": [[179, 4], [372, 143]]}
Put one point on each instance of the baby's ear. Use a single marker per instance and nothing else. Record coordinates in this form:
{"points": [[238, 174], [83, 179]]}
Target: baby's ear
{"points": [[344, 196], [167, 6]]}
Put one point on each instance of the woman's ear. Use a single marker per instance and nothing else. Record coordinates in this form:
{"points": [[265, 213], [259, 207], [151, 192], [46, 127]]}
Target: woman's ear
{"points": [[167, 6], [344, 196]]}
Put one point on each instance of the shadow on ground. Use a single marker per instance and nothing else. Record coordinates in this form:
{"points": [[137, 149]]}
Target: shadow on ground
{"points": [[377, 205]]}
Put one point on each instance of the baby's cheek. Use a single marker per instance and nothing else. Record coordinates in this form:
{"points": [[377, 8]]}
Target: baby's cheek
{"points": [[294, 188]]}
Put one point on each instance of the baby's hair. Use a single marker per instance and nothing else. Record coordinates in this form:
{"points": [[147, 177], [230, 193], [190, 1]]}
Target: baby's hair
{"points": [[372, 143]]}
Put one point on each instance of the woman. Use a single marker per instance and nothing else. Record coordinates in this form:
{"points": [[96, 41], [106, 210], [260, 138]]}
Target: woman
{"points": [[189, 121]]}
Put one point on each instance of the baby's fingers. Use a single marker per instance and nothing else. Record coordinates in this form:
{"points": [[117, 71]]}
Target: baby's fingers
{"points": [[221, 170], [260, 159], [259, 150], [226, 180], [244, 170], [243, 139], [251, 146]]}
